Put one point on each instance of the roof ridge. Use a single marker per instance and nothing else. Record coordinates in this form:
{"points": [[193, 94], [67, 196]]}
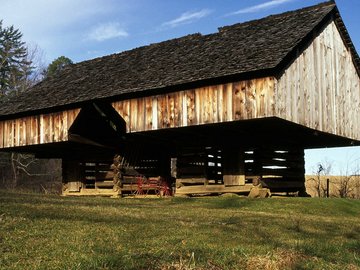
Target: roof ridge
{"points": [[284, 14], [220, 30]]}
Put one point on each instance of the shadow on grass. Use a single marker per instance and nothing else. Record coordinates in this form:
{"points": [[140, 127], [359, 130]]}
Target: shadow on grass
{"points": [[230, 202], [103, 233], [59, 209]]}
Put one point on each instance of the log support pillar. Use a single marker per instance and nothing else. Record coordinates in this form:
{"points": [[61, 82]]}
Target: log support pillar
{"points": [[233, 162], [280, 169]]}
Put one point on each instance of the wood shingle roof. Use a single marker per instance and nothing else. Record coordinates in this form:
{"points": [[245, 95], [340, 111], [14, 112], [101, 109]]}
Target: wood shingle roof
{"points": [[245, 48]]}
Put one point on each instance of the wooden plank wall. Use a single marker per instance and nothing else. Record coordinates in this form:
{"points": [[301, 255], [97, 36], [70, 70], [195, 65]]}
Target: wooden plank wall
{"points": [[321, 89], [281, 170], [213, 104], [37, 129]]}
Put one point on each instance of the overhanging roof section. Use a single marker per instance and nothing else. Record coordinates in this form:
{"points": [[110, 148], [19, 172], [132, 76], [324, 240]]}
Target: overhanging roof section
{"points": [[250, 49]]}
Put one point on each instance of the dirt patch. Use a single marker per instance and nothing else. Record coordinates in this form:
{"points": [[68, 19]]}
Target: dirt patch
{"points": [[281, 259]]}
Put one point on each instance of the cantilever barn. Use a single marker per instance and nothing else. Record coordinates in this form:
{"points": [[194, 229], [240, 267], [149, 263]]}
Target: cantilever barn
{"points": [[205, 114]]}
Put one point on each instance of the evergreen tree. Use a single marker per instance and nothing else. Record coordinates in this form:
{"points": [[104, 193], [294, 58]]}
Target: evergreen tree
{"points": [[57, 66], [14, 64], [17, 73]]}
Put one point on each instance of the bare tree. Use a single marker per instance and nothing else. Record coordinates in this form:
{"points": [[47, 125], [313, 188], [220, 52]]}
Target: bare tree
{"points": [[35, 56], [21, 163], [357, 185], [5, 169], [348, 184], [27, 172], [322, 169], [14, 166]]}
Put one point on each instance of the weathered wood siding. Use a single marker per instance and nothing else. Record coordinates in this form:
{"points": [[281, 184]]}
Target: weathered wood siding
{"points": [[37, 129], [321, 89], [213, 104]]}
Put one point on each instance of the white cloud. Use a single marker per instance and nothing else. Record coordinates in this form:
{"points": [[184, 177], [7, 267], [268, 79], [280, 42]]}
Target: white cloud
{"points": [[188, 17], [59, 26], [260, 7], [40, 15], [106, 31]]}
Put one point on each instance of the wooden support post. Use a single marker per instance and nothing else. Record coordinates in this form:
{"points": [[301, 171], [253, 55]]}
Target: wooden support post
{"points": [[233, 166], [117, 180], [300, 153], [72, 176], [173, 167], [327, 187], [258, 156], [165, 165]]}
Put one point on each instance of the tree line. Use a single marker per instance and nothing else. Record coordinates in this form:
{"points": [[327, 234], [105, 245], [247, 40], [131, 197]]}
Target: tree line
{"points": [[345, 185], [21, 67]]}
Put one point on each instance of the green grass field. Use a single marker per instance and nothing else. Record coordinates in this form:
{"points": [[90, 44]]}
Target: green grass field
{"points": [[52, 232]]}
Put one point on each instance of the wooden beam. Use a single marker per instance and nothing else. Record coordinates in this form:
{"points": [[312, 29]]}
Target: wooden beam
{"points": [[233, 166], [79, 139], [205, 189]]}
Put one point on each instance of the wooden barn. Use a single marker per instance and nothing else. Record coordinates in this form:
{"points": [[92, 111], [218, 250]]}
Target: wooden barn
{"points": [[200, 114]]}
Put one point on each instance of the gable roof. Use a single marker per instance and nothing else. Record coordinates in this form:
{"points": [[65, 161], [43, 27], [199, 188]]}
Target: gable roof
{"points": [[245, 48]]}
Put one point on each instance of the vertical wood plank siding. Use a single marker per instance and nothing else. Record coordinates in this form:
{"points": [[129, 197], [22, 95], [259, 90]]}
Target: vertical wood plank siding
{"points": [[321, 89], [211, 104], [44, 128]]}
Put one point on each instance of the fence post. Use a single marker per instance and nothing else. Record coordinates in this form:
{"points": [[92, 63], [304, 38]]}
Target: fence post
{"points": [[327, 187]]}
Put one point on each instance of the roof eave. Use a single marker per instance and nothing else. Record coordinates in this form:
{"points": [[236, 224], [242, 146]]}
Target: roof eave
{"points": [[346, 38]]}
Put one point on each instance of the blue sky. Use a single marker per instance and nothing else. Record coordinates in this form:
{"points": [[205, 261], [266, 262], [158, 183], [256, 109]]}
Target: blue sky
{"points": [[86, 29]]}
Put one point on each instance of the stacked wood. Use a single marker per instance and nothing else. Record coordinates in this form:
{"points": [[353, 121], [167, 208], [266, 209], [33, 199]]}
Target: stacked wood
{"points": [[116, 167], [275, 170], [199, 163], [279, 169], [126, 177], [98, 174], [140, 176], [148, 166], [198, 166], [191, 165], [212, 189], [219, 171], [90, 178], [200, 171]]}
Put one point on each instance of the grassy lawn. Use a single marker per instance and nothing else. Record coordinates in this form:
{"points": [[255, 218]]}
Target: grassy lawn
{"points": [[52, 232]]}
